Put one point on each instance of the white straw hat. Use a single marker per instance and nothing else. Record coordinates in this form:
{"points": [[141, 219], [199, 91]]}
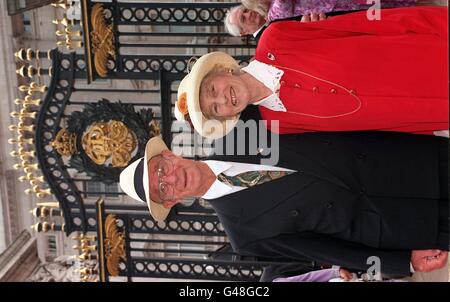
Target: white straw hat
{"points": [[134, 179], [189, 96]]}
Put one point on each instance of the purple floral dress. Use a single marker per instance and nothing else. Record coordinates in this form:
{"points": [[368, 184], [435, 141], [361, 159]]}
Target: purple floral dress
{"points": [[280, 9]]}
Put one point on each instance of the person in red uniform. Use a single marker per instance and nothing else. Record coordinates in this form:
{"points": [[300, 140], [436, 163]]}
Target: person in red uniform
{"points": [[342, 74]]}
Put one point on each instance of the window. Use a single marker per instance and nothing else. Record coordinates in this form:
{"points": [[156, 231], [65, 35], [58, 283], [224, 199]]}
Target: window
{"points": [[100, 189], [184, 249], [27, 22], [19, 6], [52, 252], [167, 28]]}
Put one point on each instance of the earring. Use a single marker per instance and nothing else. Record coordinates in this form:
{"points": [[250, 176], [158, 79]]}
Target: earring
{"points": [[230, 71]]}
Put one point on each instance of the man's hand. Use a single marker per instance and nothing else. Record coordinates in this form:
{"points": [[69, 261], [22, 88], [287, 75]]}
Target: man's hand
{"points": [[428, 260], [313, 17]]}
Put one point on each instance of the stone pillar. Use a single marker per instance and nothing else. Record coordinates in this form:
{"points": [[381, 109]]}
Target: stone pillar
{"points": [[20, 259]]}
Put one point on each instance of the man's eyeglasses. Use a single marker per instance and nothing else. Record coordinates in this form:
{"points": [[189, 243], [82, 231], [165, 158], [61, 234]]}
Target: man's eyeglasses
{"points": [[163, 169]]}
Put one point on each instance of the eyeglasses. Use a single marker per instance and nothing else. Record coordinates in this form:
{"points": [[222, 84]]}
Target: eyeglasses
{"points": [[243, 17], [164, 168]]}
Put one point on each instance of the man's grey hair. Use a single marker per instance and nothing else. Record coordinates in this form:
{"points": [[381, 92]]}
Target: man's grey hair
{"points": [[232, 29]]}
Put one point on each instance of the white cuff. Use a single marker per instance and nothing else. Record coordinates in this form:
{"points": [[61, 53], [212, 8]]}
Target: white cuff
{"points": [[443, 133]]}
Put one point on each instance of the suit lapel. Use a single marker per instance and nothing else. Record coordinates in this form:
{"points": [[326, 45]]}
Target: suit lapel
{"points": [[252, 202]]}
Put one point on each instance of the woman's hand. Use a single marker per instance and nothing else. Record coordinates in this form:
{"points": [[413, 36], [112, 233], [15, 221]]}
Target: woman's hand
{"points": [[345, 274], [313, 17]]}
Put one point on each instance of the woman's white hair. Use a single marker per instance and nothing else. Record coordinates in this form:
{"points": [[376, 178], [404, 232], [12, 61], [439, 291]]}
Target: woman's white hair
{"points": [[232, 29], [259, 6]]}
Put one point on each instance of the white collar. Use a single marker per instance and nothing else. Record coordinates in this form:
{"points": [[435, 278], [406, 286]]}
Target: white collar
{"points": [[218, 188], [270, 76], [255, 34], [217, 166]]}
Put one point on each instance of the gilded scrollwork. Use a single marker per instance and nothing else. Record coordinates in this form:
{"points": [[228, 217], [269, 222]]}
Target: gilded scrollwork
{"points": [[109, 140], [114, 245], [109, 136], [65, 142], [102, 38]]}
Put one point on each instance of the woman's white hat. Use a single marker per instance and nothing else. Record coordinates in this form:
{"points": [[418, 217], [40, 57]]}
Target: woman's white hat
{"points": [[188, 101]]}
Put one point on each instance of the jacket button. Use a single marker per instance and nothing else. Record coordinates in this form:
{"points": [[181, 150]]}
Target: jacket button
{"points": [[362, 155], [297, 85], [315, 89], [294, 213], [329, 205], [363, 190], [333, 90], [282, 83]]}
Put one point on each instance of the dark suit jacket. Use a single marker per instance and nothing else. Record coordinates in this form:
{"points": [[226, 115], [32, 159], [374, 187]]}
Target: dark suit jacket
{"points": [[355, 195]]}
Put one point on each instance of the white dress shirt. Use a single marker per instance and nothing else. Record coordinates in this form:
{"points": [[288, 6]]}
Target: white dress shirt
{"points": [[219, 189], [270, 76]]}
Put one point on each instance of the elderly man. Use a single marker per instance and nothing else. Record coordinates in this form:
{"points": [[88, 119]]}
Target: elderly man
{"points": [[336, 198], [240, 21]]}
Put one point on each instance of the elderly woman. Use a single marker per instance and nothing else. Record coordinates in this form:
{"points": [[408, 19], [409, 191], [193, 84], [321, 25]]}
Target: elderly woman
{"points": [[280, 9], [247, 18], [342, 74]]}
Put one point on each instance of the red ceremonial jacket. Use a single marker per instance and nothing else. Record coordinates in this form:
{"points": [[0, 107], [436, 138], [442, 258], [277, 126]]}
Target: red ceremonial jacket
{"points": [[350, 73]]}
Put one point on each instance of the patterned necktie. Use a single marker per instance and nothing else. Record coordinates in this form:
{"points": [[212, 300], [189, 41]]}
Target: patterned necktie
{"points": [[251, 178]]}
